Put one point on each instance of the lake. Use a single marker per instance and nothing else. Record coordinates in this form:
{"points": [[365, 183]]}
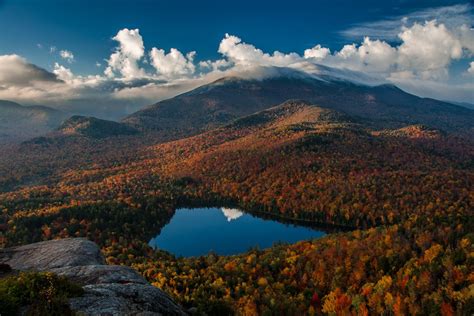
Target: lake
{"points": [[225, 231]]}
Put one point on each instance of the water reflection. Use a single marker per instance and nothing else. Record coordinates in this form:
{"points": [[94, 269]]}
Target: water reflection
{"points": [[231, 213], [225, 231]]}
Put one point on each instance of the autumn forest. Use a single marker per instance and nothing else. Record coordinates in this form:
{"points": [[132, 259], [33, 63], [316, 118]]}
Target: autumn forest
{"points": [[398, 203]]}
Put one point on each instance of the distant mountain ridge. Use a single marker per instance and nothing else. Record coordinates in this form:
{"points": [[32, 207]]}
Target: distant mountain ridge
{"points": [[93, 127], [291, 113], [18, 122], [218, 103], [464, 104]]}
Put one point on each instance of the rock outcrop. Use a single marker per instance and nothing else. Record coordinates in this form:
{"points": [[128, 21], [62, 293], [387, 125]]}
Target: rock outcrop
{"points": [[47, 255], [109, 290]]}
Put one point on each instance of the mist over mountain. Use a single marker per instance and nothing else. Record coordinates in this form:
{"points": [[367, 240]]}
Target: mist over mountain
{"points": [[246, 91], [18, 122], [228, 98]]}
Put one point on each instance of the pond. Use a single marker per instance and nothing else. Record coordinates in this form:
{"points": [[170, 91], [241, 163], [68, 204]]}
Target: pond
{"points": [[225, 231]]}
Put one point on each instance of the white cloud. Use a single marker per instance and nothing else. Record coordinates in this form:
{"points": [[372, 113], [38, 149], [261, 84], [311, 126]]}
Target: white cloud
{"points": [[96, 95], [16, 71], [317, 52], [462, 92], [216, 65], [24, 82], [245, 54], [371, 56], [470, 70], [428, 49], [67, 55], [453, 16], [425, 51], [174, 64], [63, 73], [131, 43], [125, 59]]}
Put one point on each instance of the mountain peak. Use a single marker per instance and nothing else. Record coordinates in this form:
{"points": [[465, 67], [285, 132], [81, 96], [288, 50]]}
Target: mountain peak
{"points": [[292, 113], [221, 102], [93, 127]]}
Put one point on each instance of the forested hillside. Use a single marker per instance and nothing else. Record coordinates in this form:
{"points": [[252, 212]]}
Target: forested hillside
{"points": [[402, 196]]}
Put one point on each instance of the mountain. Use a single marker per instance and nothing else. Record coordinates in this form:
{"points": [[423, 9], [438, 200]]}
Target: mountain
{"points": [[465, 104], [229, 98], [291, 113], [294, 161], [93, 127], [18, 122], [298, 156], [86, 130]]}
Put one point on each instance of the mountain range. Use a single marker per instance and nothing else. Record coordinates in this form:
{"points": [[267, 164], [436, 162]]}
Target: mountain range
{"points": [[341, 106], [226, 99], [212, 105]]}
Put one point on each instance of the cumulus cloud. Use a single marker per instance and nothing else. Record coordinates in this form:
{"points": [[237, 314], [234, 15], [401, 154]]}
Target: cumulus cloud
{"points": [[317, 52], [371, 56], [425, 52], [97, 95], [125, 59], [174, 64], [24, 82], [242, 53], [67, 55], [16, 71], [216, 65], [63, 73], [428, 49]]}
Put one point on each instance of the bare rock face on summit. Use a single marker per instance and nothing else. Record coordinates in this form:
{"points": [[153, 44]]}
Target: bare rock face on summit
{"points": [[47, 255], [108, 290]]}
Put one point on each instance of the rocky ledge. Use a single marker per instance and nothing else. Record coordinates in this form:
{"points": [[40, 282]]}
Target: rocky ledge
{"points": [[108, 290]]}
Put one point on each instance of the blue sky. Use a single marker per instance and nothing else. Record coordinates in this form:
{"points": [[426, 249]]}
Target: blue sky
{"points": [[86, 32], [86, 27]]}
